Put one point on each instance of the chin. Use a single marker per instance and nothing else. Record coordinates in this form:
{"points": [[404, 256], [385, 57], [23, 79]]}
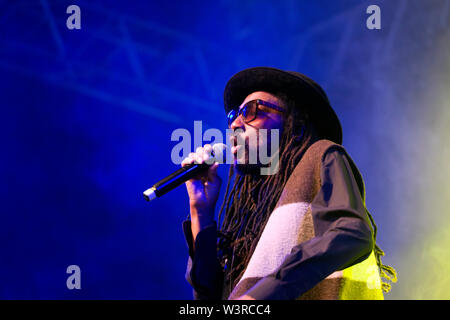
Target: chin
{"points": [[243, 167]]}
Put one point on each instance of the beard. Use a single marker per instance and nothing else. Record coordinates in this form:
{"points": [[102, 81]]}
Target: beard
{"points": [[244, 166]]}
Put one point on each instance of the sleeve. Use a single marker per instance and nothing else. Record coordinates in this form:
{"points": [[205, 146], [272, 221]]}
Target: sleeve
{"points": [[343, 233], [203, 268]]}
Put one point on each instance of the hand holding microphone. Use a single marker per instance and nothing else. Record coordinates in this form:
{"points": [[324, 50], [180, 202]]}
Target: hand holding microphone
{"points": [[204, 188], [199, 172], [196, 166]]}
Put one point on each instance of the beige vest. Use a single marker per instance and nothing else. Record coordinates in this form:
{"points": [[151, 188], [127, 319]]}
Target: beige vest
{"points": [[291, 223]]}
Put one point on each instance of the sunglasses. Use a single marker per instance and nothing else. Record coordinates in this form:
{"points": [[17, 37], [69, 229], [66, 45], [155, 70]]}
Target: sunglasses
{"points": [[249, 111]]}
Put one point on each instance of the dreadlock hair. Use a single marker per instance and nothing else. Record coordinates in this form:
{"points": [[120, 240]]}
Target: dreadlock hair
{"points": [[246, 216], [247, 206]]}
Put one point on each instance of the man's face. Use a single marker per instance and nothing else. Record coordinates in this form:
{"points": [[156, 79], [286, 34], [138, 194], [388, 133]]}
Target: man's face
{"points": [[266, 118]]}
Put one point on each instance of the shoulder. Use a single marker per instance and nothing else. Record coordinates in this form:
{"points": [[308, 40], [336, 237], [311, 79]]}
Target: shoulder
{"points": [[320, 149], [305, 180], [332, 156], [307, 177]]}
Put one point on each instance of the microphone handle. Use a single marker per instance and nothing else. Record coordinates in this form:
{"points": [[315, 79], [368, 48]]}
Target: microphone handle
{"points": [[178, 177]]}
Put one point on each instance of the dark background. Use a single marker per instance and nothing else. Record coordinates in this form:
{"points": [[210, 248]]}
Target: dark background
{"points": [[87, 117]]}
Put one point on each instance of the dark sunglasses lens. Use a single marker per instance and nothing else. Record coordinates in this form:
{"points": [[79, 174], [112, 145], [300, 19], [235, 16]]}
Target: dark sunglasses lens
{"points": [[231, 117], [245, 111], [248, 111]]}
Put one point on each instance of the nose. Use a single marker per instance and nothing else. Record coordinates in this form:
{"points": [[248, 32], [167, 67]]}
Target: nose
{"points": [[237, 123]]}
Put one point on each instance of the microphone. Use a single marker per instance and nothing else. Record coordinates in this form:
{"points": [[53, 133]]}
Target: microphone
{"points": [[182, 175]]}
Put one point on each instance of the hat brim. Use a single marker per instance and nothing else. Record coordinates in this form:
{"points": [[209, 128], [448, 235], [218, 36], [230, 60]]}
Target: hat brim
{"points": [[298, 86]]}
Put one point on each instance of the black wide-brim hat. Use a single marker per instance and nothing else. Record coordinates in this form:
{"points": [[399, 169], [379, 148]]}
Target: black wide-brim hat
{"points": [[297, 86]]}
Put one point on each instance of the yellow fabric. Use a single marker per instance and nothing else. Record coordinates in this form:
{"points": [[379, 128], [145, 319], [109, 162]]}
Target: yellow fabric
{"points": [[362, 281]]}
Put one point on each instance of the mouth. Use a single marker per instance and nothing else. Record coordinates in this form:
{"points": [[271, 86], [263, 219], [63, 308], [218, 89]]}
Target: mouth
{"points": [[239, 155], [235, 146]]}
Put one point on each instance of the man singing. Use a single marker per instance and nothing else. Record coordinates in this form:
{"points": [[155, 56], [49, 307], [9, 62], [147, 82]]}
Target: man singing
{"points": [[302, 232]]}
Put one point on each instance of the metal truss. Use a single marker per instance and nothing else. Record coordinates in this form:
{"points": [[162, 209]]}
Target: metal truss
{"points": [[116, 39], [66, 65]]}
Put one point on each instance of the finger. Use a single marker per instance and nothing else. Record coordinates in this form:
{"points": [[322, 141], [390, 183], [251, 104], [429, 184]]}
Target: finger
{"points": [[199, 159], [192, 155], [186, 161], [208, 148], [199, 151], [207, 154], [208, 158]]}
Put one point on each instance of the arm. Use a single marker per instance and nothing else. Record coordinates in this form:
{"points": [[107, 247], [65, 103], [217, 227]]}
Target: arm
{"points": [[343, 235], [203, 271]]}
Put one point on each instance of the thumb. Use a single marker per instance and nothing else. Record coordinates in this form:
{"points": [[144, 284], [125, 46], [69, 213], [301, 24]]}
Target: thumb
{"points": [[212, 172]]}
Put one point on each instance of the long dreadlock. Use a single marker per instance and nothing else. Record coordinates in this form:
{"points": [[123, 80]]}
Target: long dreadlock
{"points": [[246, 216], [252, 198]]}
